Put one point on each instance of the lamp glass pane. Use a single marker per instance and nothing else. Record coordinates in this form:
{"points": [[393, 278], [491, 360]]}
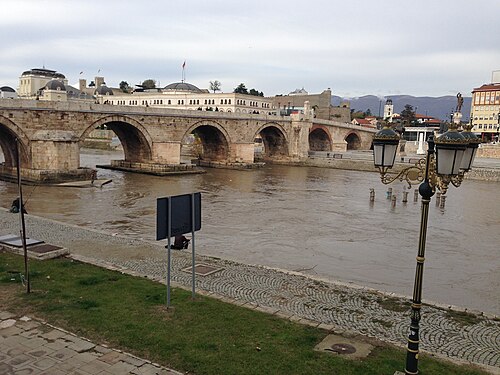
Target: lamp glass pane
{"points": [[390, 155], [474, 150], [378, 151], [467, 159], [448, 161], [459, 155]]}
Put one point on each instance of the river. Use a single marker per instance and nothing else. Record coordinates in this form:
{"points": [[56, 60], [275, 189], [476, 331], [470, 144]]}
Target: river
{"points": [[314, 220]]}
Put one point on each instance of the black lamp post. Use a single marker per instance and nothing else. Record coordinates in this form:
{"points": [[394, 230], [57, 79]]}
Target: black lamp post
{"points": [[452, 157]]}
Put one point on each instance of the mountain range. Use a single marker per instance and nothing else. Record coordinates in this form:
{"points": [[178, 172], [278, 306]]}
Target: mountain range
{"points": [[437, 107]]}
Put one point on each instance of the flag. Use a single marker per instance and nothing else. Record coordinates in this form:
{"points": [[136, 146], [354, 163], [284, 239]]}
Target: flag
{"points": [[99, 71], [81, 72], [184, 64]]}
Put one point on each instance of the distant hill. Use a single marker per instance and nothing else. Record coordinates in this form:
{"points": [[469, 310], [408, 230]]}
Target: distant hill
{"points": [[439, 108]]}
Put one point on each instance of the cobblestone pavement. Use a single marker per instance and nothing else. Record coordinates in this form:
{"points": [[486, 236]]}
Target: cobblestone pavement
{"points": [[333, 306], [29, 346]]}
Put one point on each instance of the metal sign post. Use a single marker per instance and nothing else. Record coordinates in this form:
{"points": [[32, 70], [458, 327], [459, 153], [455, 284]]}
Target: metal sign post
{"points": [[169, 239], [176, 216], [21, 217], [192, 245]]}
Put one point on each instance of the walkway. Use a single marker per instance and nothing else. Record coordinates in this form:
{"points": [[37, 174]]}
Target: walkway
{"points": [[29, 346], [336, 307]]}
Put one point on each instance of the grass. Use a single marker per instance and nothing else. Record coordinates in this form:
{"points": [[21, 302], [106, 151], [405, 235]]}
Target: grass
{"points": [[394, 304], [204, 336], [463, 317]]}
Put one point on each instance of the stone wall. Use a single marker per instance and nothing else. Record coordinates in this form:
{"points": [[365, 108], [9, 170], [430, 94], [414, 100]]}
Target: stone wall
{"points": [[488, 151], [483, 174]]}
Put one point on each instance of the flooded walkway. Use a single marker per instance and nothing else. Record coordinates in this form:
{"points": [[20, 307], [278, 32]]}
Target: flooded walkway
{"points": [[337, 307]]}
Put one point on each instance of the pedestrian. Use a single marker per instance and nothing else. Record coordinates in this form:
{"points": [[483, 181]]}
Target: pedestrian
{"points": [[15, 206], [93, 176], [180, 242]]}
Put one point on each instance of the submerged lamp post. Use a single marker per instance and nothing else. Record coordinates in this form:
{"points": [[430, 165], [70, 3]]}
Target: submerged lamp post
{"points": [[448, 158]]}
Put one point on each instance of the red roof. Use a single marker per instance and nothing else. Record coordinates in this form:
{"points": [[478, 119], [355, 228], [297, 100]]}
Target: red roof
{"points": [[488, 87], [362, 121]]}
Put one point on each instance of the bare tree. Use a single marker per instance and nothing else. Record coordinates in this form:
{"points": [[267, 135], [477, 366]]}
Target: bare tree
{"points": [[215, 86]]}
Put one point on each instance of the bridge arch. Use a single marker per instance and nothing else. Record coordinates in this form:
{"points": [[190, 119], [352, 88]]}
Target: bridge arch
{"points": [[275, 140], [353, 141], [319, 139], [135, 139], [211, 140], [9, 131]]}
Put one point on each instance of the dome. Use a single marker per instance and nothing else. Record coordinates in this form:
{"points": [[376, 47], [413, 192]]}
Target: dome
{"points": [[55, 84], [7, 89], [182, 86], [104, 90]]}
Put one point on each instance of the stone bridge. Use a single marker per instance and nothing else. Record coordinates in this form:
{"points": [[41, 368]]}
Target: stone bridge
{"points": [[49, 136]]}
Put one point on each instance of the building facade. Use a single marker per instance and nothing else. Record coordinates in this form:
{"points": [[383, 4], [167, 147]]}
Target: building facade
{"points": [[485, 109], [32, 81], [7, 92], [388, 110], [320, 103], [182, 95]]}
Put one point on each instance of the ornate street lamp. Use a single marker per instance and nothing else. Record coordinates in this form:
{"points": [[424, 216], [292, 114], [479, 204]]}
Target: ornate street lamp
{"points": [[452, 158]]}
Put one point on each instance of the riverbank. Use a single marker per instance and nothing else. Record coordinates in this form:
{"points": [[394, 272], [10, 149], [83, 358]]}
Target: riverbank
{"points": [[446, 332], [484, 169]]}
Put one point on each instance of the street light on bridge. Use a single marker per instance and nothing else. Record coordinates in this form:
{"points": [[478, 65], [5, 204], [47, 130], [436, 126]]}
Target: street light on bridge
{"points": [[448, 158]]}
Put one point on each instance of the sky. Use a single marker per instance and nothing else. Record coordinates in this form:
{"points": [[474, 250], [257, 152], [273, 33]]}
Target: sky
{"points": [[357, 47]]}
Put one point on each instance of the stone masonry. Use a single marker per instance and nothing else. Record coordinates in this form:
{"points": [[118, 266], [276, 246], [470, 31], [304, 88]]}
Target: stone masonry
{"points": [[50, 134]]}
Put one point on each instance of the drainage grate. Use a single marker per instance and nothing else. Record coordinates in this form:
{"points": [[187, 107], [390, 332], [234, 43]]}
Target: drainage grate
{"points": [[46, 248], [342, 348], [202, 269]]}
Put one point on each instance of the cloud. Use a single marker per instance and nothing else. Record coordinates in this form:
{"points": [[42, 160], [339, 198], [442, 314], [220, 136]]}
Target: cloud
{"points": [[363, 46]]}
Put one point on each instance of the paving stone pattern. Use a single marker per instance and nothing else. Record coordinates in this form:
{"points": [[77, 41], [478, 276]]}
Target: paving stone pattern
{"points": [[29, 346], [333, 306]]}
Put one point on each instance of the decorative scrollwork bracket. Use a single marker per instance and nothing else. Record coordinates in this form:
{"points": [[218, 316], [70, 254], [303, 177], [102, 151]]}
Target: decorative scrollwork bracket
{"points": [[413, 174]]}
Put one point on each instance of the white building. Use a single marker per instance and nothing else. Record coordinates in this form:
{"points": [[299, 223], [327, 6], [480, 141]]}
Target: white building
{"points": [[7, 92], [32, 81], [388, 110], [183, 95]]}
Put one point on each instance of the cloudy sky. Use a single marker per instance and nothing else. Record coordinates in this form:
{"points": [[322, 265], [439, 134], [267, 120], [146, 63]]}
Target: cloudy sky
{"points": [[356, 47]]}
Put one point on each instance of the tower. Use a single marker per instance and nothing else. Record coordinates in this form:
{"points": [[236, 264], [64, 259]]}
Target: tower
{"points": [[388, 110]]}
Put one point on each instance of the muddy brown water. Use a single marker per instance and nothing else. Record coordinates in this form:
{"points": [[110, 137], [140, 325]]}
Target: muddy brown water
{"points": [[314, 220]]}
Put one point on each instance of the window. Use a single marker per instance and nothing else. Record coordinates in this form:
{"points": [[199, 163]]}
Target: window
{"points": [[229, 101], [169, 101]]}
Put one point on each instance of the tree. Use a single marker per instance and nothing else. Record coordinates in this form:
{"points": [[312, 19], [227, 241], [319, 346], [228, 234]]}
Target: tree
{"points": [[124, 86], [241, 89], [357, 114], [149, 84], [215, 86], [368, 112], [408, 115], [255, 92]]}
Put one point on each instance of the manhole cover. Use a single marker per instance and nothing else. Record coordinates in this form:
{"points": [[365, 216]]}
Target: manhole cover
{"points": [[202, 269], [342, 348]]}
